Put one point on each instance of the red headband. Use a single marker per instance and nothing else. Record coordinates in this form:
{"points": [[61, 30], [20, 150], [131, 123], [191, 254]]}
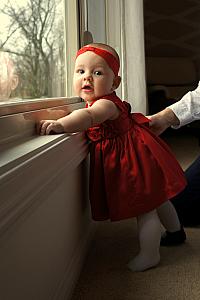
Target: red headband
{"points": [[111, 60]]}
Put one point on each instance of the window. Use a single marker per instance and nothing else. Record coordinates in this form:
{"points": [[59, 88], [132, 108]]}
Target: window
{"points": [[37, 39]]}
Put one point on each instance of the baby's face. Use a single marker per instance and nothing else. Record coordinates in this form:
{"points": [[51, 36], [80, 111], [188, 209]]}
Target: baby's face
{"points": [[93, 78]]}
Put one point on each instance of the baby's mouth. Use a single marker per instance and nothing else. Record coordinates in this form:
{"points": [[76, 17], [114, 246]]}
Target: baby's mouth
{"points": [[87, 87]]}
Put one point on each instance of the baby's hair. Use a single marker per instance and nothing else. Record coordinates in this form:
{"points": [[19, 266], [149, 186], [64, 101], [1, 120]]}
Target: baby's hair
{"points": [[105, 47]]}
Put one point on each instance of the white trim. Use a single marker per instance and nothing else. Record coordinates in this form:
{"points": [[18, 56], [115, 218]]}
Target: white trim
{"points": [[71, 42]]}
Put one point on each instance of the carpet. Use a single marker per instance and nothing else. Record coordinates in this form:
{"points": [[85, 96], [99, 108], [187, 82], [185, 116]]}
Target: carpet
{"points": [[105, 274]]}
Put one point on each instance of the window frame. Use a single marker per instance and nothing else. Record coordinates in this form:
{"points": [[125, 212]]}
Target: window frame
{"points": [[18, 118], [72, 42], [72, 17]]}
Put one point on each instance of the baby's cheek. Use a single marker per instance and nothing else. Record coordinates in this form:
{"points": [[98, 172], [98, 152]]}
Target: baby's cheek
{"points": [[76, 89], [107, 86]]}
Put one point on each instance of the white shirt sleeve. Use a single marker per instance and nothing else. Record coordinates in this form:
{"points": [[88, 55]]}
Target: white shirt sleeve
{"points": [[187, 109]]}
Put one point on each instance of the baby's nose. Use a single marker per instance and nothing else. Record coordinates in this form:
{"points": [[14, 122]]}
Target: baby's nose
{"points": [[88, 76]]}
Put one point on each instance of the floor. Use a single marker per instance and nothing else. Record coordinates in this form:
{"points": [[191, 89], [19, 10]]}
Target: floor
{"points": [[105, 274]]}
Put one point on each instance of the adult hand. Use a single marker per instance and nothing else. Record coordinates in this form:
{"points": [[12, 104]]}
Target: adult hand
{"points": [[162, 120], [157, 124]]}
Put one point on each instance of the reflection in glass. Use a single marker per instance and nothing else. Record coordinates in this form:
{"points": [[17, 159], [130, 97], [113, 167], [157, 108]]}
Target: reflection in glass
{"points": [[32, 34], [8, 76]]}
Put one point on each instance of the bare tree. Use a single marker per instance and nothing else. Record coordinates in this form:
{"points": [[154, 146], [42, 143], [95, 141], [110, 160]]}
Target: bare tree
{"points": [[31, 36]]}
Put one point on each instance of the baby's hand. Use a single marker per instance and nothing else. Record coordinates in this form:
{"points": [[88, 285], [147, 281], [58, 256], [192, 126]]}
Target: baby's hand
{"points": [[45, 127]]}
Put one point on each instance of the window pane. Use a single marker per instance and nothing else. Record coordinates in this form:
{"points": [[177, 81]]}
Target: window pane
{"points": [[32, 61]]}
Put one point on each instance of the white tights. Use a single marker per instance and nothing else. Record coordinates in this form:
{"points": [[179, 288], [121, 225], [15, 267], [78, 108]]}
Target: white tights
{"points": [[149, 233], [169, 217]]}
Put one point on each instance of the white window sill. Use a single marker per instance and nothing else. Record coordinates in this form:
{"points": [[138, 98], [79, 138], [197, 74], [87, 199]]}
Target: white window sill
{"points": [[19, 141]]}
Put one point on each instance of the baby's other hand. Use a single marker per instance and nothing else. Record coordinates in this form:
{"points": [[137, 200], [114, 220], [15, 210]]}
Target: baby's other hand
{"points": [[45, 127]]}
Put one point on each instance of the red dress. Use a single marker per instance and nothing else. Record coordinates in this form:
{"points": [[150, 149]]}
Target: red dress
{"points": [[132, 171]]}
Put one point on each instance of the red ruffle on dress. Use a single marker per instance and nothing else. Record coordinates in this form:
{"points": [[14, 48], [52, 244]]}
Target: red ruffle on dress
{"points": [[132, 171]]}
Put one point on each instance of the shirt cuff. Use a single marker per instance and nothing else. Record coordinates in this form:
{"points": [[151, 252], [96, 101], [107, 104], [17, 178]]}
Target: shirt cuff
{"points": [[182, 113]]}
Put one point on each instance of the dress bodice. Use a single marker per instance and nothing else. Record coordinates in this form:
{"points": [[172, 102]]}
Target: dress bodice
{"points": [[112, 128]]}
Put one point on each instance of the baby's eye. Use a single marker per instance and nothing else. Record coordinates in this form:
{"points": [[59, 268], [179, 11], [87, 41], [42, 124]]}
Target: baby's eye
{"points": [[80, 71], [98, 73]]}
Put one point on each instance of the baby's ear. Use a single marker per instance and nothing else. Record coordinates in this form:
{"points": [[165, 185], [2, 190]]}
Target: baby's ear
{"points": [[116, 82]]}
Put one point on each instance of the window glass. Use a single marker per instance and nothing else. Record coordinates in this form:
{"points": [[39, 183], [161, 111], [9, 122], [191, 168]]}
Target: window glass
{"points": [[32, 47]]}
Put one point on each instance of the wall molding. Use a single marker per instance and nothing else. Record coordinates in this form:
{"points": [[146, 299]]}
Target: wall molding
{"points": [[66, 154]]}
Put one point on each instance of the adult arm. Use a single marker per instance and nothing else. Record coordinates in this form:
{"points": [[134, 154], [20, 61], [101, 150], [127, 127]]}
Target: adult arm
{"points": [[178, 114], [187, 109], [162, 120]]}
